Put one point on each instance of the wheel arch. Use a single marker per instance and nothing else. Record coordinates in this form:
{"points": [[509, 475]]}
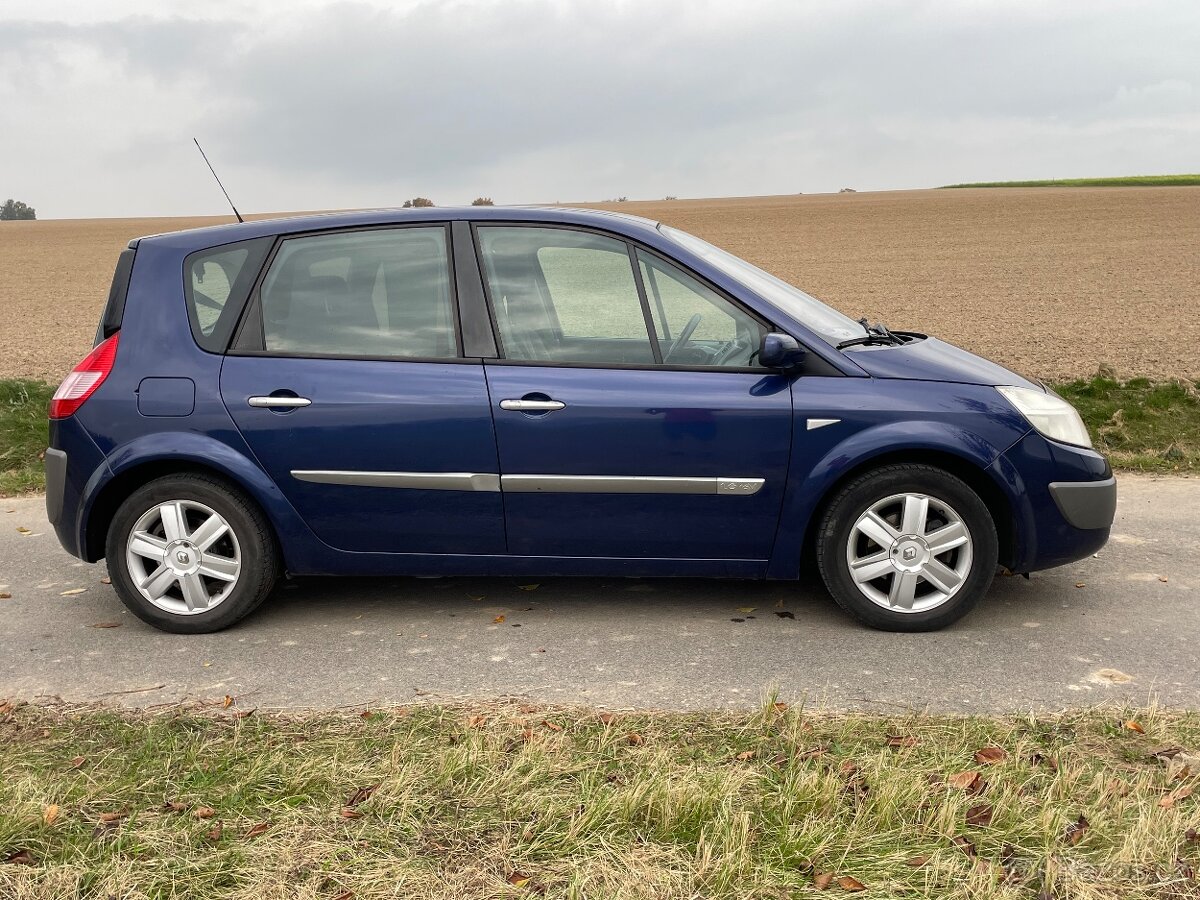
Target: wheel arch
{"points": [[966, 470], [156, 456]]}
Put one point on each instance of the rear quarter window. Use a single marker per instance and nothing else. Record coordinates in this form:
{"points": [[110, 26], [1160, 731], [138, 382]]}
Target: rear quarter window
{"points": [[217, 282]]}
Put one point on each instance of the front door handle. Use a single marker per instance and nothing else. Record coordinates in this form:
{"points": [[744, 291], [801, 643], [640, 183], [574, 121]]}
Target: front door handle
{"points": [[532, 405], [278, 402]]}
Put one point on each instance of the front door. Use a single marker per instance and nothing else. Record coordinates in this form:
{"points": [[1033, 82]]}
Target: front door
{"points": [[348, 385], [630, 417]]}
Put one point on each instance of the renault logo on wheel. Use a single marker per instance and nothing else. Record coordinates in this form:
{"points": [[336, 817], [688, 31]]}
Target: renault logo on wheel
{"points": [[183, 557], [910, 553]]}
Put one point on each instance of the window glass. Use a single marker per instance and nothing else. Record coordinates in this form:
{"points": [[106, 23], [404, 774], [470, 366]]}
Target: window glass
{"points": [[696, 325], [564, 296], [379, 293], [217, 282]]}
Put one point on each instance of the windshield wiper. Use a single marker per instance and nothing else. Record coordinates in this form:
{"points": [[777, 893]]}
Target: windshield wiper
{"points": [[875, 334]]}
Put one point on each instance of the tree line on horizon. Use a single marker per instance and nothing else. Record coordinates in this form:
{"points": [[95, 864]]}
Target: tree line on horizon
{"points": [[14, 210]]}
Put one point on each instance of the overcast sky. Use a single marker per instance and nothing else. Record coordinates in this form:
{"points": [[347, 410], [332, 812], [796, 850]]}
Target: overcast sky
{"points": [[314, 105]]}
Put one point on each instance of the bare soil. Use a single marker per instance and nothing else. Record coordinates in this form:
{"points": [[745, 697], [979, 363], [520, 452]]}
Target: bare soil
{"points": [[1053, 282]]}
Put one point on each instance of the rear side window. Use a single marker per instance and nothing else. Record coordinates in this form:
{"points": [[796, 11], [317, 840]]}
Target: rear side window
{"points": [[217, 282], [379, 293]]}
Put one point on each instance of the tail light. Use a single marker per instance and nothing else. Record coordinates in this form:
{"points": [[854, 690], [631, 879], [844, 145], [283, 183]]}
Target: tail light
{"points": [[84, 379]]}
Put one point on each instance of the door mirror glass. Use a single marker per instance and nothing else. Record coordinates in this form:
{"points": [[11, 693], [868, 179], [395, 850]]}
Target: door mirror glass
{"points": [[780, 351]]}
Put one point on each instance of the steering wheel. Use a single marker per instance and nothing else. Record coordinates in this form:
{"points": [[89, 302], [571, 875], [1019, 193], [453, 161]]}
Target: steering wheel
{"points": [[684, 336]]}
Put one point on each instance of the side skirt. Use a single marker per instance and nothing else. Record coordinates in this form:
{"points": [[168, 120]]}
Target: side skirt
{"points": [[348, 563]]}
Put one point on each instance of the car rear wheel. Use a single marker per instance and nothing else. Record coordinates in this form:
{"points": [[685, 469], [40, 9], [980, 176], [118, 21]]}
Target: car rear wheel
{"points": [[190, 554], [907, 548]]}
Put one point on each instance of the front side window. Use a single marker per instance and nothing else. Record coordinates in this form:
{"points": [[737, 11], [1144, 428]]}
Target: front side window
{"points": [[561, 295], [380, 293], [696, 325]]}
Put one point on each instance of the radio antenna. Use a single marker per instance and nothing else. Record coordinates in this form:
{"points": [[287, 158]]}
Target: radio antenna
{"points": [[221, 186]]}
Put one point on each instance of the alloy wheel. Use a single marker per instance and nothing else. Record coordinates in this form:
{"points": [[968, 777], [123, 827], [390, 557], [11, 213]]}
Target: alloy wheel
{"points": [[183, 557], [909, 553]]}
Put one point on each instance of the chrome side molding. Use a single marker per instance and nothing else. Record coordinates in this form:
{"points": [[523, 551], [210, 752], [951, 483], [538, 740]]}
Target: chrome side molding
{"points": [[425, 481], [626, 484], [535, 484]]}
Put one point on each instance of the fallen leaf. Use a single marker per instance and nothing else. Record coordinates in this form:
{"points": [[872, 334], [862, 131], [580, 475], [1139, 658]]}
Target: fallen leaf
{"points": [[851, 884], [173, 806], [529, 587], [989, 756], [348, 813], [607, 718], [78, 761], [1192, 836], [634, 738], [477, 599], [5, 595], [361, 795], [746, 609], [786, 614], [1162, 578], [21, 858], [21, 529], [1075, 831], [1080, 584], [1135, 725], [105, 625], [499, 620], [255, 830], [916, 861], [980, 815], [72, 592], [214, 833], [901, 740], [1180, 793], [476, 721], [1118, 788], [780, 707], [553, 726], [746, 755], [965, 781], [518, 879], [50, 814], [964, 844], [822, 881], [106, 580], [204, 812], [227, 702], [110, 817]]}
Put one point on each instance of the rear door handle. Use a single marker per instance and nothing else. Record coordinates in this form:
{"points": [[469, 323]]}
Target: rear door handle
{"points": [[532, 405], [278, 402]]}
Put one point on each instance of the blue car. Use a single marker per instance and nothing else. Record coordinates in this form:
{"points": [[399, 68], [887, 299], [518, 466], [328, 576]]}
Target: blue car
{"points": [[521, 391]]}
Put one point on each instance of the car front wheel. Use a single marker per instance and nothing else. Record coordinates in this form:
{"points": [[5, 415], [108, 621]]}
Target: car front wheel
{"points": [[907, 548], [190, 554]]}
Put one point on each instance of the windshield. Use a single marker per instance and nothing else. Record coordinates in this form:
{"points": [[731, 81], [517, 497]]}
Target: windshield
{"points": [[830, 324]]}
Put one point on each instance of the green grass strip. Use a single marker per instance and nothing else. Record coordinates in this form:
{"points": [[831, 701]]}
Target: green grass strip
{"points": [[1121, 181], [516, 801]]}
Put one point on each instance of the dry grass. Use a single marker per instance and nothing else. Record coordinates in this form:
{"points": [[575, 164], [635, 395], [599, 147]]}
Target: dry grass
{"points": [[1050, 281], [467, 803]]}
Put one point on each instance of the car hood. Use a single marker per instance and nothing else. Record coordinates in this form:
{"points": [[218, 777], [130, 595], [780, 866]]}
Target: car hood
{"points": [[928, 359]]}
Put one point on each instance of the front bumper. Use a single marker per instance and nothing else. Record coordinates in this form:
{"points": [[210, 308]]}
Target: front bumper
{"points": [[1062, 500]]}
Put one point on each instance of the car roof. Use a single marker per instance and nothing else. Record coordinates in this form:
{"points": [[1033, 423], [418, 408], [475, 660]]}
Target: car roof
{"points": [[215, 235]]}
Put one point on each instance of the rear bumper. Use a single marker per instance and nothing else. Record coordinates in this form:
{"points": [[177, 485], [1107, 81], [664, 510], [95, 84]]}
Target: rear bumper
{"points": [[56, 483], [1086, 504]]}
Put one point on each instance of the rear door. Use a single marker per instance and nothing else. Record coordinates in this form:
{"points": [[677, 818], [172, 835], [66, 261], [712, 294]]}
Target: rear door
{"points": [[631, 419], [348, 383]]}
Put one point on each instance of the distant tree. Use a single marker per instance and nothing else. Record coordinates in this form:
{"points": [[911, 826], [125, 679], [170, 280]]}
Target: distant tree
{"points": [[421, 202], [407, 204], [482, 201], [15, 209], [670, 197], [622, 199]]}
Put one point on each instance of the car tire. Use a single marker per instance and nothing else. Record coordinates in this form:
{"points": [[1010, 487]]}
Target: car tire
{"points": [[907, 548], [223, 559]]}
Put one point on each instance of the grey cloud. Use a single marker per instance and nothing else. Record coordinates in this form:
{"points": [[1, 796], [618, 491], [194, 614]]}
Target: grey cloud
{"points": [[354, 104]]}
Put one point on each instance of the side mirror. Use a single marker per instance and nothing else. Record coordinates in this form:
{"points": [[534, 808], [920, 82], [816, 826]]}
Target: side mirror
{"points": [[780, 351]]}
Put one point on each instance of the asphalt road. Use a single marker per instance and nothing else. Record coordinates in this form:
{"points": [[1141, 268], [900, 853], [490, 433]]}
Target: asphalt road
{"points": [[1122, 626]]}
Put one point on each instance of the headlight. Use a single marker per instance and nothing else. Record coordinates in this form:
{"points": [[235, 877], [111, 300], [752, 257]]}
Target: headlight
{"points": [[1050, 414]]}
